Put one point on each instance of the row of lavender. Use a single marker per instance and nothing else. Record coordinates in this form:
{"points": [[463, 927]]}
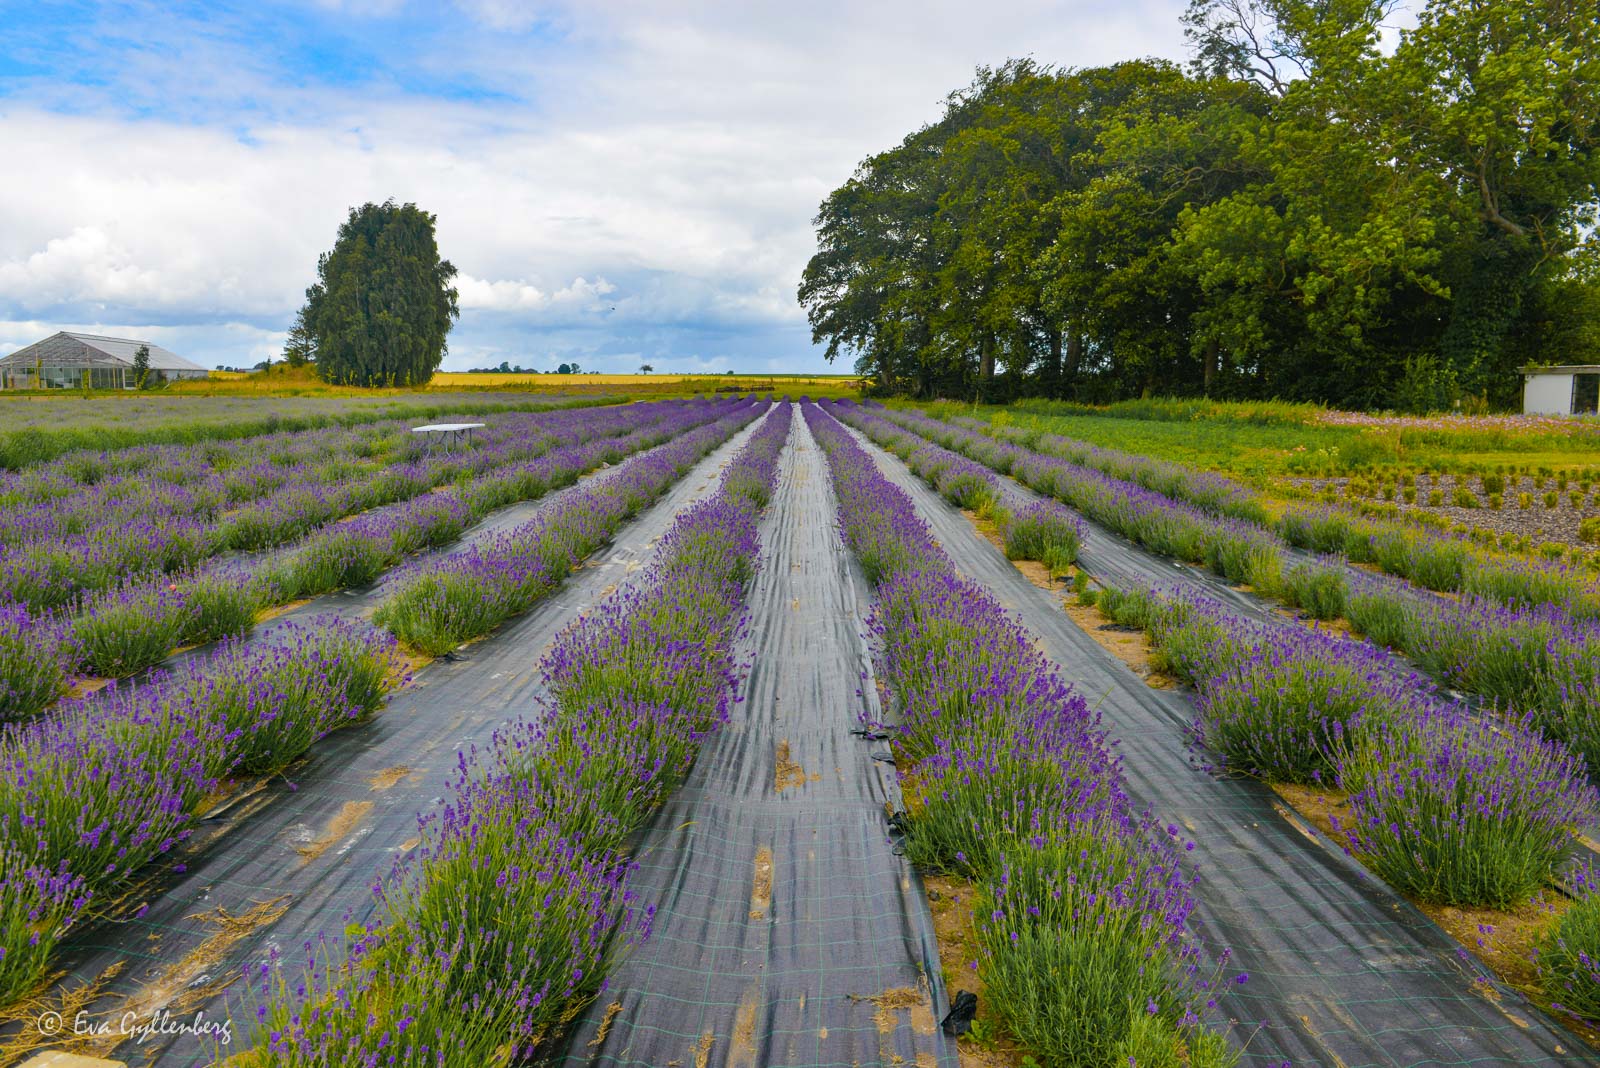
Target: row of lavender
{"points": [[1448, 807], [87, 489], [1082, 918], [1043, 530], [1536, 660], [172, 518], [135, 624], [1434, 561], [92, 794], [513, 913], [436, 607]]}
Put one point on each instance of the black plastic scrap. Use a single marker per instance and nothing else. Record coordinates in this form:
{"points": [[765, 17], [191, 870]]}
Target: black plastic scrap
{"points": [[958, 1021]]}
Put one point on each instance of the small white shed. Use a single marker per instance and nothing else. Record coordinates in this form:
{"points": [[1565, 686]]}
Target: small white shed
{"points": [[1569, 389]]}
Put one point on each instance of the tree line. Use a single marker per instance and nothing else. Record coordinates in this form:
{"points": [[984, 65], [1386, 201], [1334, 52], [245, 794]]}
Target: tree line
{"points": [[1298, 212]]}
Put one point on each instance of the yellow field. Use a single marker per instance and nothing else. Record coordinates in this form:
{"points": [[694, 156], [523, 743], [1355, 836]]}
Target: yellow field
{"points": [[283, 381]]}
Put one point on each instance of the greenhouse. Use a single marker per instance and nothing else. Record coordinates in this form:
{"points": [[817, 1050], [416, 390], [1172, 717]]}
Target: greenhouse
{"points": [[64, 360]]}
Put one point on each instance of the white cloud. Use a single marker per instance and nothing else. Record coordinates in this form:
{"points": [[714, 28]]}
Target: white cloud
{"points": [[646, 186], [83, 266], [580, 296]]}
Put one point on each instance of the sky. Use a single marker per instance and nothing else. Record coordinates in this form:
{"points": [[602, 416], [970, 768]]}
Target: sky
{"points": [[618, 182]]}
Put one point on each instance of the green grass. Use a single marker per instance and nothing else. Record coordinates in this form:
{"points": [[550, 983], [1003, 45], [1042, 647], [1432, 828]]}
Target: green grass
{"points": [[1273, 448], [39, 429]]}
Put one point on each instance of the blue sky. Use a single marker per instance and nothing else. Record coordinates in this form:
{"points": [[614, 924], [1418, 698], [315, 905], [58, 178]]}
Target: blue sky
{"points": [[617, 181]]}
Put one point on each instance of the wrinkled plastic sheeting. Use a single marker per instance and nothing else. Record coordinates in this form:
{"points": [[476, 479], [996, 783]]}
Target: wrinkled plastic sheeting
{"points": [[788, 930]]}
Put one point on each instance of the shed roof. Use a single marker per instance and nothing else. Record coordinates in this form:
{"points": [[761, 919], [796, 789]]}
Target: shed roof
{"points": [[68, 349], [1564, 369]]}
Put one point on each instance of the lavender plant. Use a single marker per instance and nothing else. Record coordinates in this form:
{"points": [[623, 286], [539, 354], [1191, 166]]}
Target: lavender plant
{"points": [[33, 670], [1043, 531], [1317, 589], [1079, 939], [1459, 811], [1292, 711], [980, 795], [1569, 954], [37, 907], [127, 628]]}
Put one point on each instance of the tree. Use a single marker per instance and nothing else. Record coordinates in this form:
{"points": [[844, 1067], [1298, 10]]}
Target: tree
{"points": [[1296, 214], [1502, 99], [645, 368], [299, 348], [141, 367], [383, 303], [564, 369]]}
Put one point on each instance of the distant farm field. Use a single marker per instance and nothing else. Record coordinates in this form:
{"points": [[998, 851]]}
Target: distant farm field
{"points": [[39, 427], [281, 381], [456, 380]]}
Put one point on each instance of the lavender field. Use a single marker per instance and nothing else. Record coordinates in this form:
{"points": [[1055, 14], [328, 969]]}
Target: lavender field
{"points": [[761, 731]]}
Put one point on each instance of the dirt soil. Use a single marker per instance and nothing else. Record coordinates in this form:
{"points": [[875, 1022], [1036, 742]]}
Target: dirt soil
{"points": [[950, 899]]}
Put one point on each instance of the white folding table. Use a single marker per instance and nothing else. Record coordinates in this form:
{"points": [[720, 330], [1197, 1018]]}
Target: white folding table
{"points": [[447, 435]]}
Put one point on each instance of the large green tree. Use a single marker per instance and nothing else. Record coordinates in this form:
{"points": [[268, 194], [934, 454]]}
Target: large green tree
{"points": [[1502, 99], [1304, 212], [383, 302]]}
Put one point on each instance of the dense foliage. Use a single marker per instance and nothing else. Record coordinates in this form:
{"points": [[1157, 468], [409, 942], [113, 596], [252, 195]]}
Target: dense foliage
{"points": [[1300, 213], [383, 302]]}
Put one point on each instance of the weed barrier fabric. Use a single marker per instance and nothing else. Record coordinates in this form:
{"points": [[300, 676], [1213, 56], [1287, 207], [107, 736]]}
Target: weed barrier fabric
{"points": [[788, 931], [1342, 970], [294, 858], [1114, 559]]}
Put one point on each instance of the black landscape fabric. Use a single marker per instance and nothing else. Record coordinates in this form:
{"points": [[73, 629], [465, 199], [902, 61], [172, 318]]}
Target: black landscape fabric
{"points": [[1342, 970], [295, 858], [788, 931]]}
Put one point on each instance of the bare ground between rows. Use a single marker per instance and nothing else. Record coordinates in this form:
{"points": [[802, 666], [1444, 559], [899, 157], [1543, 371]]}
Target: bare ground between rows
{"points": [[1342, 970], [788, 931], [297, 853]]}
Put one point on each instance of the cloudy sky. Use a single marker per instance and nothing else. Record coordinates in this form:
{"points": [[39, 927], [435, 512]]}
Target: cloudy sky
{"points": [[616, 181]]}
